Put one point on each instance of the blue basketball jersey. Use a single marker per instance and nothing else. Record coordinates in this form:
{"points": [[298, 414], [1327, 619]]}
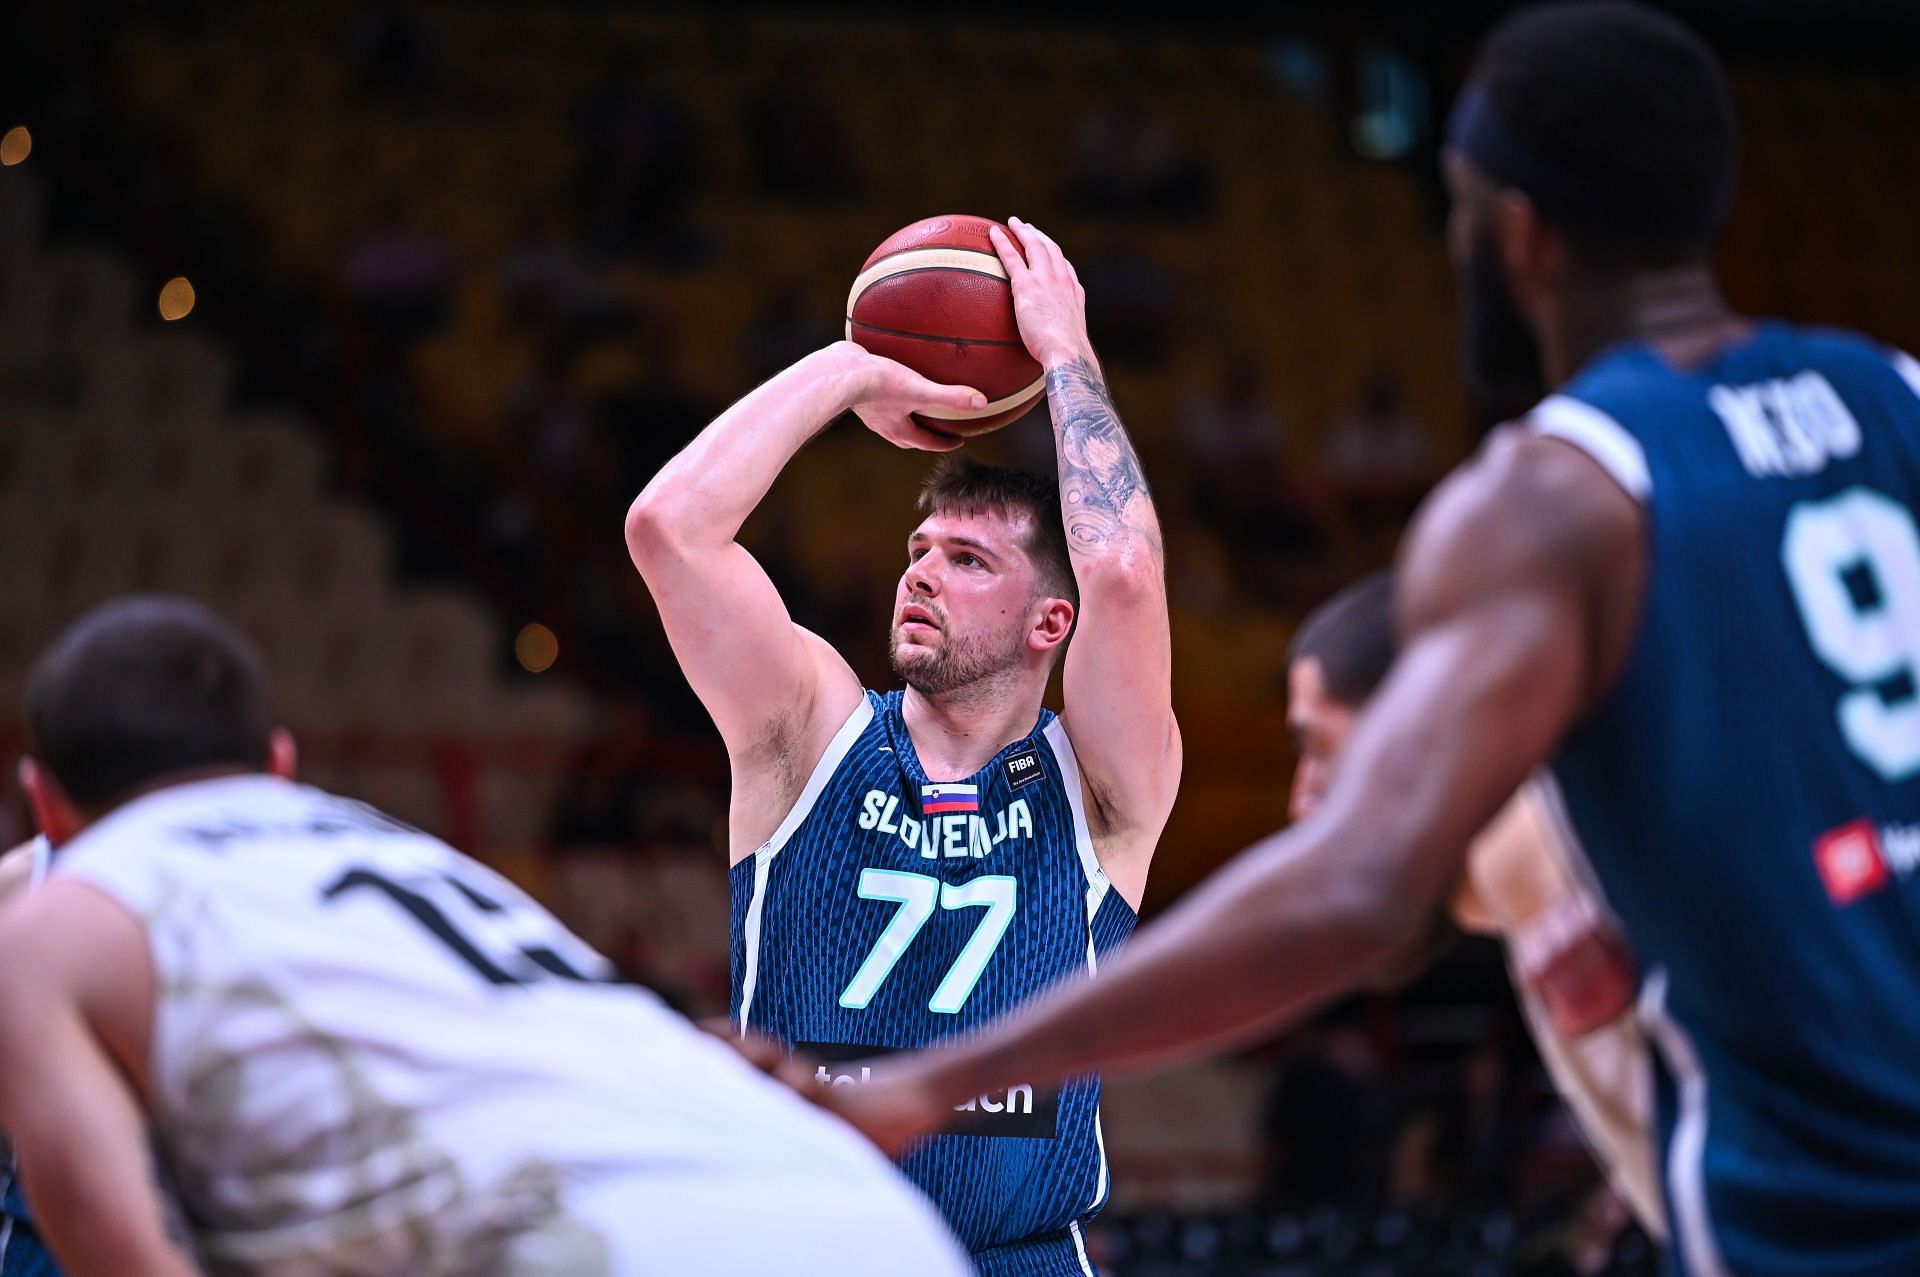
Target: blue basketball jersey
{"points": [[889, 911], [1749, 795], [13, 1199], [22, 1251], [25, 1255]]}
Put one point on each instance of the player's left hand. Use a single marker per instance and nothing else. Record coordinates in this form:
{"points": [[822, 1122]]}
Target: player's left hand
{"points": [[892, 1109], [1048, 301], [885, 394]]}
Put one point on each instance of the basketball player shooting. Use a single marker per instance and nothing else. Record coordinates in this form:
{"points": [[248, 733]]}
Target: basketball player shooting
{"points": [[1687, 585], [907, 865], [355, 1049]]}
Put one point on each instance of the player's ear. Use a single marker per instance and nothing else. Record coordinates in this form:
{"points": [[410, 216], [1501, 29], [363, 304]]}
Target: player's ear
{"points": [[1525, 248], [283, 756], [53, 811], [1054, 623]]}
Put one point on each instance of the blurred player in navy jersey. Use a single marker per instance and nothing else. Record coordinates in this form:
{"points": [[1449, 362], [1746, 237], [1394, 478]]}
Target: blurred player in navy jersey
{"points": [[908, 865], [1686, 588]]}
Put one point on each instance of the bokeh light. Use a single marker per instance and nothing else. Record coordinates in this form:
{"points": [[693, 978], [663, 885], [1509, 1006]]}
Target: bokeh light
{"points": [[176, 298], [536, 648], [16, 145]]}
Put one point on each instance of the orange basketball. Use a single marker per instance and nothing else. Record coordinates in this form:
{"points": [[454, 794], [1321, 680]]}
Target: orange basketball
{"points": [[935, 297]]}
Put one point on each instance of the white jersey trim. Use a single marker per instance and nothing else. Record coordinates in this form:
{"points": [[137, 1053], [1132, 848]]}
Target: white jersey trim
{"points": [[762, 863], [1080, 1248], [1056, 734], [1103, 1183], [1908, 367], [830, 761], [1103, 1176], [1686, 1152], [1599, 436], [1097, 888], [836, 753], [42, 860]]}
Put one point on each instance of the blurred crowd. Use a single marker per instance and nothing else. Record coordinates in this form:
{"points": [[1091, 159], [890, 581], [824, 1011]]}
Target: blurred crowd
{"points": [[602, 402]]}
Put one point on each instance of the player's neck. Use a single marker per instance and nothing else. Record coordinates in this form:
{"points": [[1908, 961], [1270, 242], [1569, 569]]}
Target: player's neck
{"points": [[1676, 309], [954, 734], [171, 780]]}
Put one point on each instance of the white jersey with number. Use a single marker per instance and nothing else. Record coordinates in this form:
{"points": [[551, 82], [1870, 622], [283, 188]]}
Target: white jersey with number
{"points": [[372, 1055]]}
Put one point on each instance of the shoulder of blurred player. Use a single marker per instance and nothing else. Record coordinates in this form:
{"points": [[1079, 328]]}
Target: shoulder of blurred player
{"points": [[88, 951], [1530, 514]]}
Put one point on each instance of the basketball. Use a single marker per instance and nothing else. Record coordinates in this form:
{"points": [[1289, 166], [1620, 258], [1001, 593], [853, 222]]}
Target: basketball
{"points": [[935, 297]]}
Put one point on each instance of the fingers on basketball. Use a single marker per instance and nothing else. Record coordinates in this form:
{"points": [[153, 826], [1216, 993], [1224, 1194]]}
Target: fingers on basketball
{"points": [[935, 395], [934, 440], [904, 428], [1042, 252], [1010, 256]]}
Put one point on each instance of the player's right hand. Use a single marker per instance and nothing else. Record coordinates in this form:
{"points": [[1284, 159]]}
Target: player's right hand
{"points": [[886, 393], [1049, 302]]}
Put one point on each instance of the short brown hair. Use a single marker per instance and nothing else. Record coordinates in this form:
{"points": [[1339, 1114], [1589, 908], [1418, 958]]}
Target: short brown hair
{"points": [[961, 485], [142, 687], [1352, 637]]}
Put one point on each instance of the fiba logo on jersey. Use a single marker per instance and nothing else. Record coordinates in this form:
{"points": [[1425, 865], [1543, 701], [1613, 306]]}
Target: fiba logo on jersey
{"points": [[1023, 767]]}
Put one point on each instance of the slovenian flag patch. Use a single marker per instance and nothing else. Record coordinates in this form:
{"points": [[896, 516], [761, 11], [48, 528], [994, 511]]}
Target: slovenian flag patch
{"points": [[945, 799]]}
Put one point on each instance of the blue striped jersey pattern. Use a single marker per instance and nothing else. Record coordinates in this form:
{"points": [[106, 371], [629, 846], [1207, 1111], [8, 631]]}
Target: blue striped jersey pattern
{"points": [[890, 910]]}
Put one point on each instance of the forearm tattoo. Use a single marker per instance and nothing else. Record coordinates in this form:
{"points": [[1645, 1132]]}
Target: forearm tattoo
{"points": [[1099, 471]]}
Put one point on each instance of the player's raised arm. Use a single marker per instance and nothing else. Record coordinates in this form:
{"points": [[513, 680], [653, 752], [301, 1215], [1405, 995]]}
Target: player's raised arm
{"points": [[764, 680], [70, 1019], [1519, 594], [1118, 679]]}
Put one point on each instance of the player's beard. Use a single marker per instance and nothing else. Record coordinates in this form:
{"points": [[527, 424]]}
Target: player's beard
{"points": [[961, 661], [1502, 358]]}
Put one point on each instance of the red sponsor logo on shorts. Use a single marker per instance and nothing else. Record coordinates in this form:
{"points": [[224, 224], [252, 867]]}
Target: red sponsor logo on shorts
{"points": [[1850, 862]]}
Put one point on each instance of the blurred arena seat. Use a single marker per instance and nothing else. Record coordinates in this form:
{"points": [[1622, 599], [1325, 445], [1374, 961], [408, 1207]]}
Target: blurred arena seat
{"points": [[1323, 269], [130, 470], [1321, 265]]}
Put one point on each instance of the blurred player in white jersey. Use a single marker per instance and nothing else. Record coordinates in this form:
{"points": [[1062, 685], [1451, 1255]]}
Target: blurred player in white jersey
{"points": [[357, 1050], [1572, 976]]}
